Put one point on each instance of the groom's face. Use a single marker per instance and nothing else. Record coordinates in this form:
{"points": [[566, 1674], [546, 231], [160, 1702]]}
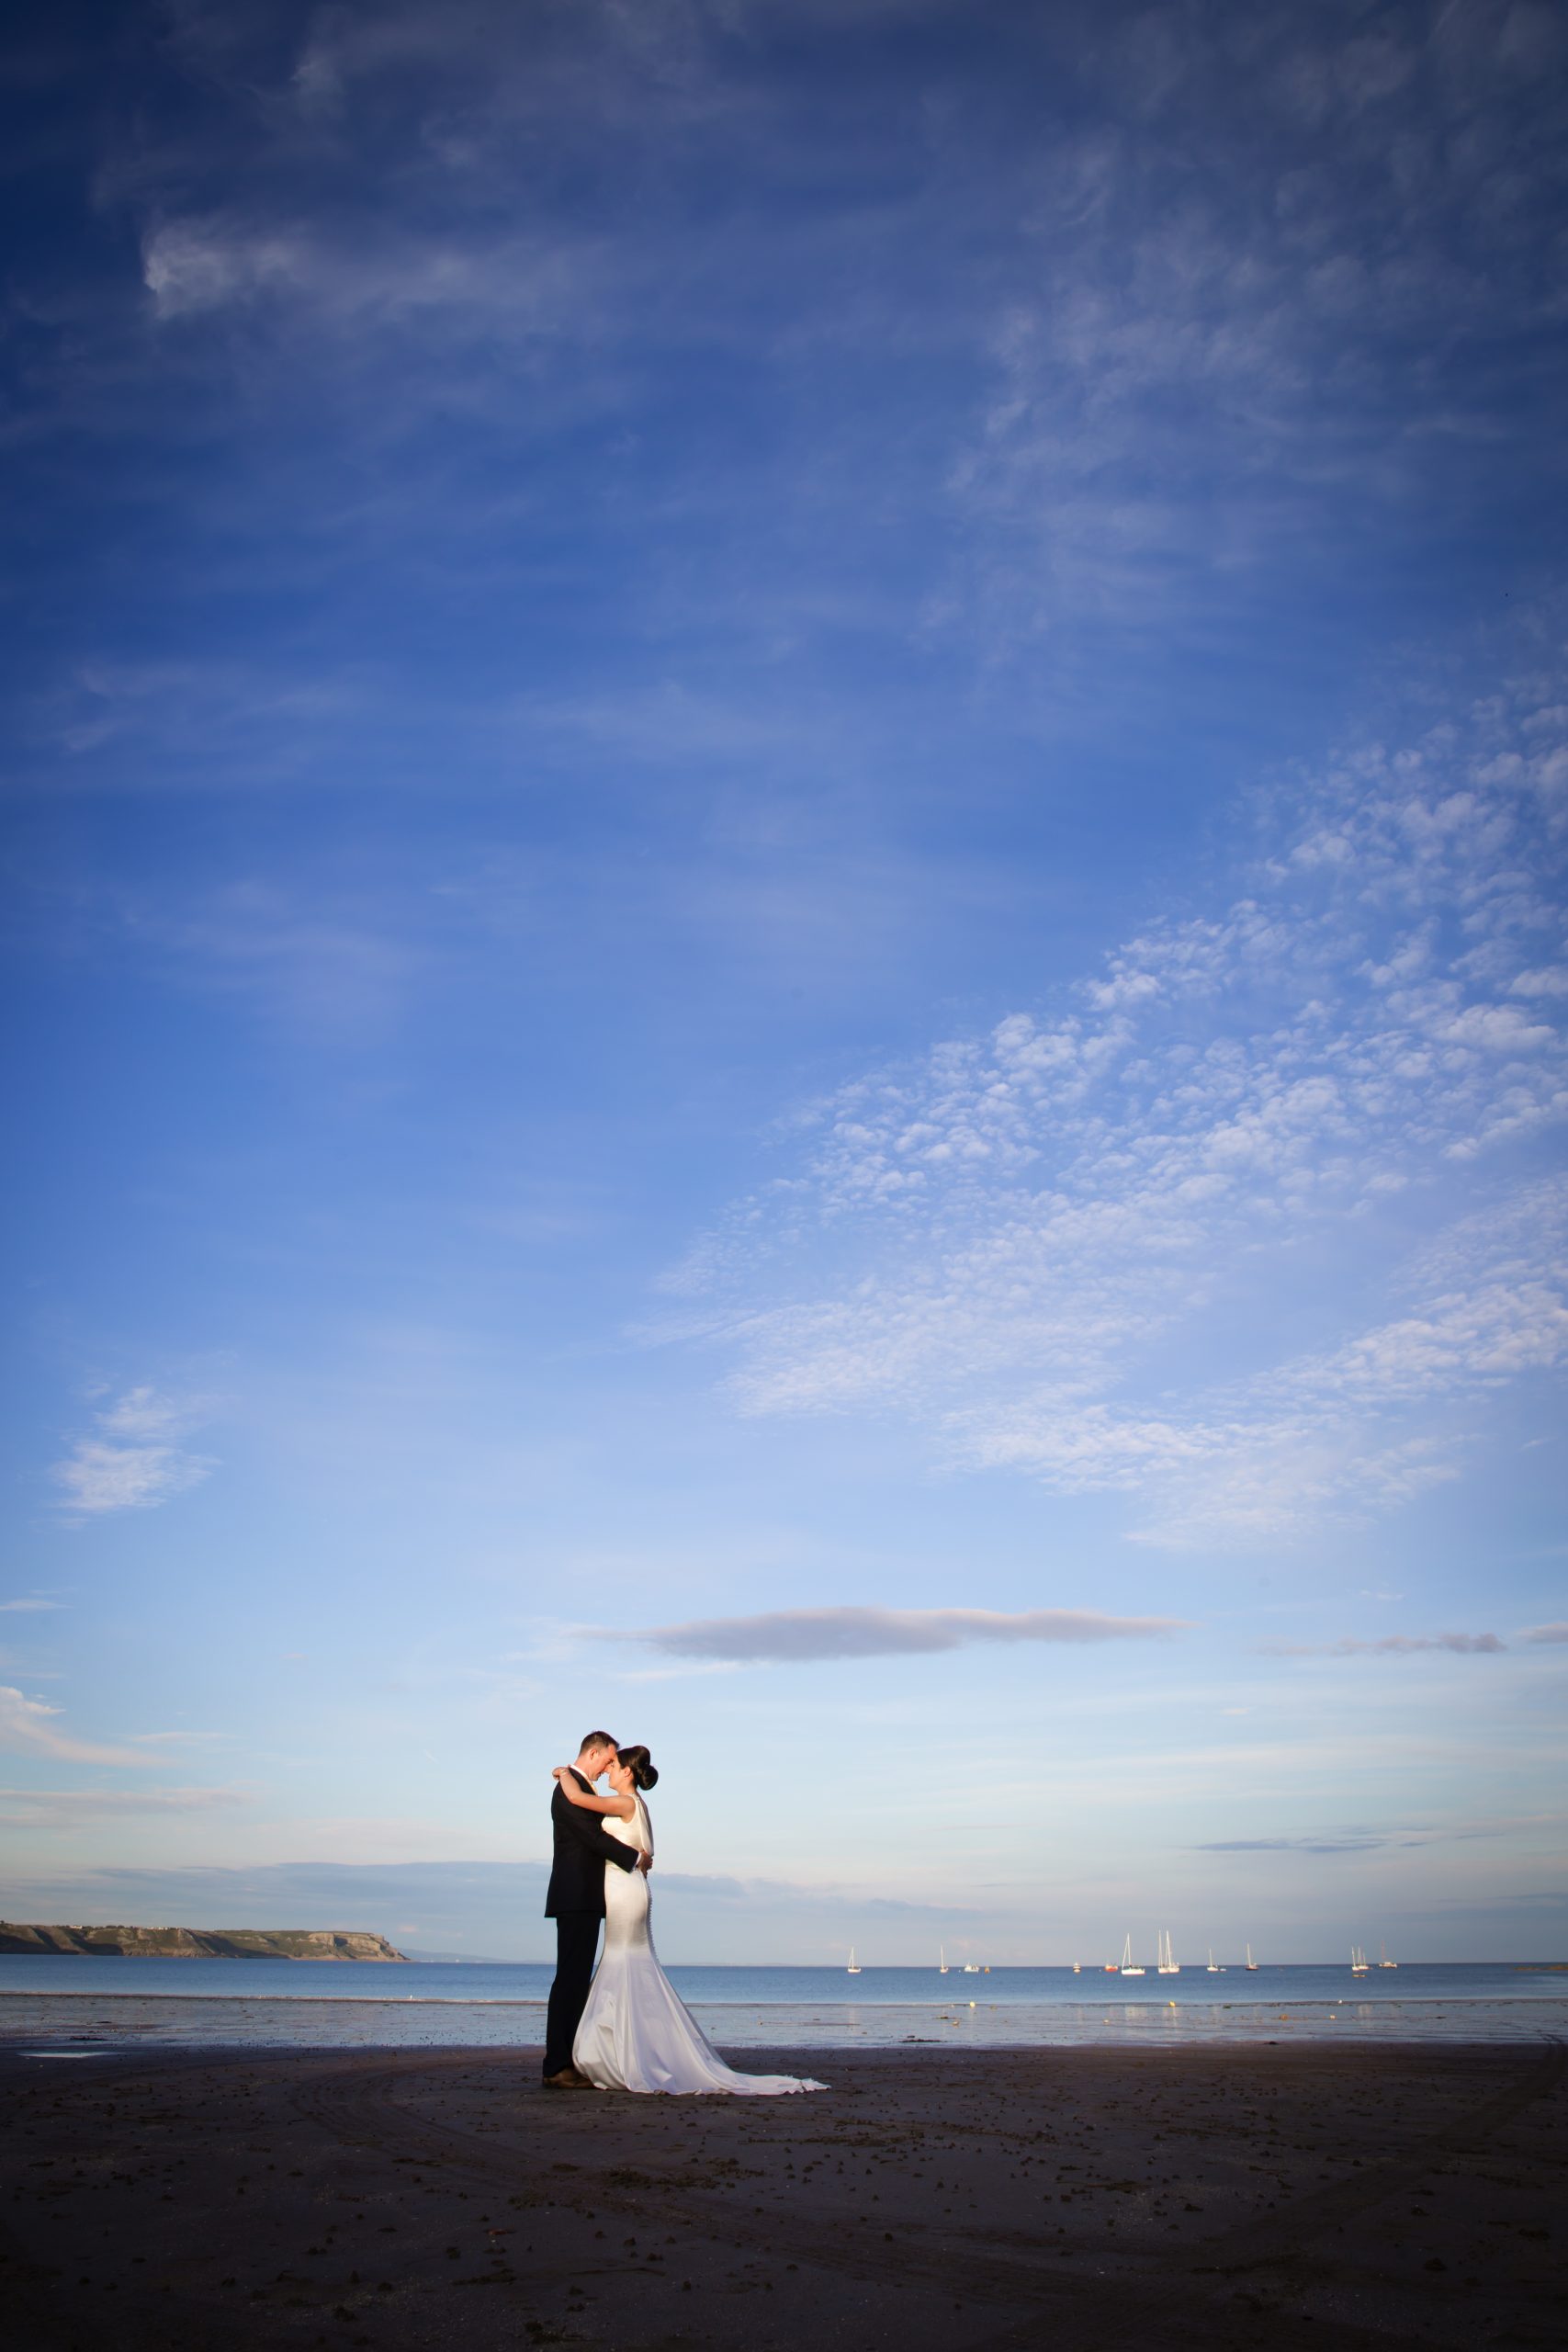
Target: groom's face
{"points": [[599, 1760]]}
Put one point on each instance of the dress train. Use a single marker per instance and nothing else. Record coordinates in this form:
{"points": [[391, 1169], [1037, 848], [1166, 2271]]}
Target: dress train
{"points": [[636, 2033]]}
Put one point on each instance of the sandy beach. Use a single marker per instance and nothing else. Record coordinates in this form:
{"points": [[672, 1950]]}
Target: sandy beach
{"points": [[1244, 2196]]}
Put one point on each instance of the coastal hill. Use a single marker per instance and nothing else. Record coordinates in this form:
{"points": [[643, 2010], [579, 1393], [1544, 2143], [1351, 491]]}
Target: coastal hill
{"points": [[198, 1943]]}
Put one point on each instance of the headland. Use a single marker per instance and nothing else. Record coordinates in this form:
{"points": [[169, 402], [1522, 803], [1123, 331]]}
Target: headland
{"points": [[195, 1943]]}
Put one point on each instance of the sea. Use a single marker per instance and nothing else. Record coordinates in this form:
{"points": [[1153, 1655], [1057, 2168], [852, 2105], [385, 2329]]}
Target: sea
{"points": [[84, 2004]]}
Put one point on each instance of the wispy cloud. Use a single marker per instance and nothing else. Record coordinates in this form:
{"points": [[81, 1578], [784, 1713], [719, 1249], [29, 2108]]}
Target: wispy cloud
{"points": [[33, 1726], [527, 288], [794, 1635], [66, 1808], [131, 1461], [1545, 1635], [1314, 1103], [1207, 325], [1390, 1645], [143, 1413], [1206, 248], [1354, 1839], [1348, 1842], [21, 1608]]}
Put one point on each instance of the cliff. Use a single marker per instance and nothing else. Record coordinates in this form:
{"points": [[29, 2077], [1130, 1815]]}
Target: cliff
{"points": [[198, 1943]]}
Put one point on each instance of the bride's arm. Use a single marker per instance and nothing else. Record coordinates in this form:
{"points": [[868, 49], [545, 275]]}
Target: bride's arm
{"points": [[622, 1807]]}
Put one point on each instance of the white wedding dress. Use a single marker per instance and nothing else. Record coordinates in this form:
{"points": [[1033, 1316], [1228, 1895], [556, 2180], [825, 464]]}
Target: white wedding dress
{"points": [[636, 2033]]}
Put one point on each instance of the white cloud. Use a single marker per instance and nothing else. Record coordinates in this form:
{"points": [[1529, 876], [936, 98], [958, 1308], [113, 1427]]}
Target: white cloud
{"points": [[17, 1608], [131, 1461], [32, 1726], [1543, 1635], [143, 1413], [794, 1635], [1074, 1245], [515, 287], [97, 1477]]}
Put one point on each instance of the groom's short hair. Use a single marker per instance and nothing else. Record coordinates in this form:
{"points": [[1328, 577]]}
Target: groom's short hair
{"points": [[598, 1740]]}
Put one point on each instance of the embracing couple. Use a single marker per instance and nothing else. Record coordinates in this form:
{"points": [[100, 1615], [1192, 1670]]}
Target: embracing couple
{"points": [[624, 2028]]}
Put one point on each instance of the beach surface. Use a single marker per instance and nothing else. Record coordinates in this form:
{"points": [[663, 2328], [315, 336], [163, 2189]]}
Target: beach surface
{"points": [[1247, 2195]]}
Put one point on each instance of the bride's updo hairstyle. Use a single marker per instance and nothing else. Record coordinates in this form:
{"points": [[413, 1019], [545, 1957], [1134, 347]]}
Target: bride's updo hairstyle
{"points": [[639, 1764]]}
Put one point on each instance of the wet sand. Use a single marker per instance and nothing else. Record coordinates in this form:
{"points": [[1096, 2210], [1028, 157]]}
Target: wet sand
{"points": [[1227, 2196]]}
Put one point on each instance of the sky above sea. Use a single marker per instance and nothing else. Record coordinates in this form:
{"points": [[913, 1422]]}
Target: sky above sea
{"points": [[785, 815]]}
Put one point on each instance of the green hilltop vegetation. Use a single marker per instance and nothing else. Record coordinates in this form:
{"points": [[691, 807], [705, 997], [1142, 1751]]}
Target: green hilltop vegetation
{"points": [[198, 1943]]}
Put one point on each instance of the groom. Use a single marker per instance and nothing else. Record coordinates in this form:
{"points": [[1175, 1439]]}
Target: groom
{"points": [[576, 1903]]}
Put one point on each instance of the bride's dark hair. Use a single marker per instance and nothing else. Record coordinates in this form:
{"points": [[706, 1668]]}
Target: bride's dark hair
{"points": [[639, 1764]]}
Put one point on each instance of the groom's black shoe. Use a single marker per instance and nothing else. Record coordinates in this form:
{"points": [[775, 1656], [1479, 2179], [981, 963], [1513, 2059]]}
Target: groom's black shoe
{"points": [[569, 2080]]}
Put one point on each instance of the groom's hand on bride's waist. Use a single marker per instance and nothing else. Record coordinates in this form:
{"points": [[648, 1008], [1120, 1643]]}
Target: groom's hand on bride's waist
{"points": [[644, 1862]]}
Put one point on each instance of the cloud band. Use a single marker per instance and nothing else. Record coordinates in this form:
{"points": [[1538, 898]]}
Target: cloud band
{"points": [[796, 1636]]}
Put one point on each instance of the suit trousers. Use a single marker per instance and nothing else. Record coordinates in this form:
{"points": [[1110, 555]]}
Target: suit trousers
{"points": [[577, 1941]]}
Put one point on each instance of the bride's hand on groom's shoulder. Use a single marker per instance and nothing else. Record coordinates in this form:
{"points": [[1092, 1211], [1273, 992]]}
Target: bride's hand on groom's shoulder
{"points": [[560, 1771]]}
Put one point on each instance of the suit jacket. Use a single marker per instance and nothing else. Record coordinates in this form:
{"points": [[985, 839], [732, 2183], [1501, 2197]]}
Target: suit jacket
{"points": [[583, 1847]]}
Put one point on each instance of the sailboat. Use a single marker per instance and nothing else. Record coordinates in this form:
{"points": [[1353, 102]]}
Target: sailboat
{"points": [[853, 1968], [1357, 1960], [1215, 1968], [1075, 1969], [1129, 1966], [1169, 1964], [1384, 1959], [1251, 1964], [942, 1959]]}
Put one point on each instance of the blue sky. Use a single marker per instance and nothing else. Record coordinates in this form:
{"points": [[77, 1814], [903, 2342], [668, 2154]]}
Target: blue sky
{"points": [[784, 868]]}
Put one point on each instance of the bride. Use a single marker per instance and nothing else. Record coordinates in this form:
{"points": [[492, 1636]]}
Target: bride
{"points": [[636, 2033]]}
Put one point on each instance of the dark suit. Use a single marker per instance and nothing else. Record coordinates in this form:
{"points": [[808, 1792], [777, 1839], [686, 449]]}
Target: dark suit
{"points": [[576, 1903]]}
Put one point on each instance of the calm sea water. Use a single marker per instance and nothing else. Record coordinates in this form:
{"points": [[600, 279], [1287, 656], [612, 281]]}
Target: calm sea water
{"points": [[86, 2002]]}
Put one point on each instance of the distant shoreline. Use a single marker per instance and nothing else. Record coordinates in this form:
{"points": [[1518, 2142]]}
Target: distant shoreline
{"points": [[31, 1941], [152, 1951]]}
